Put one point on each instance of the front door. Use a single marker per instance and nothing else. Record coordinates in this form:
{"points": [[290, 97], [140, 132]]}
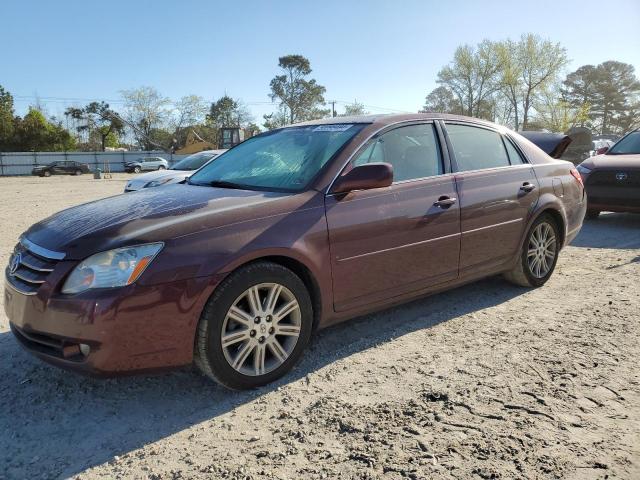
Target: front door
{"points": [[497, 192], [389, 241]]}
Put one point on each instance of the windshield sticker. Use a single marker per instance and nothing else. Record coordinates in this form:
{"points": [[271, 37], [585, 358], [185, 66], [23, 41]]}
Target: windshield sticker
{"points": [[332, 128]]}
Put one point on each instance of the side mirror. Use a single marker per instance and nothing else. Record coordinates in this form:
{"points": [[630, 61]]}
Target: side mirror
{"points": [[364, 177]]}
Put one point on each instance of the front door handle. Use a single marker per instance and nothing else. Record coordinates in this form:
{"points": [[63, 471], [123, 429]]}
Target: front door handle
{"points": [[527, 187], [445, 202]]}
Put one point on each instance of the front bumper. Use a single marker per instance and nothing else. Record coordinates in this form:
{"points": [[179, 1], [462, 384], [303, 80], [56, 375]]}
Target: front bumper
{"points": [[127, 330]]}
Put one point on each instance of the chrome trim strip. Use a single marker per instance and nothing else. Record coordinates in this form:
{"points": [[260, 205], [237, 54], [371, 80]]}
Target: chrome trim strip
{"points": [[27, 280], [16, 289], [33, 267], [492, 226], [346, 259], [41, 251]]}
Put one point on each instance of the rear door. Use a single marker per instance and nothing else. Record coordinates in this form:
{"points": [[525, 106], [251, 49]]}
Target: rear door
{"points": [[497, 191], [389, 241]]}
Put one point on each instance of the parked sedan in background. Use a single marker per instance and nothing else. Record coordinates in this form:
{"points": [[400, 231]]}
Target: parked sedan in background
{"points": [[612, 179], [176, 174], [292, 230], [60, 168], [146, 164]]}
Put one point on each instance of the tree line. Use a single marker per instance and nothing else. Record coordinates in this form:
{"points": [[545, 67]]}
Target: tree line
{"points": [[518, 83]]}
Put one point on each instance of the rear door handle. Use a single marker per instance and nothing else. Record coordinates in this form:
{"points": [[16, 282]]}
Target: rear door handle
{"points": [[527, 187], [444, 201]]}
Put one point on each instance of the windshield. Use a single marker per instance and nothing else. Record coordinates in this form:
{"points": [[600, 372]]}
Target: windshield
{"points": [[627, 145], [281, 160], [193, 162]]}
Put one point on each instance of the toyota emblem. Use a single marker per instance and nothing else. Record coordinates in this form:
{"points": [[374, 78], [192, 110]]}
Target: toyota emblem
{"points": [[14, 263], [621, 176]]}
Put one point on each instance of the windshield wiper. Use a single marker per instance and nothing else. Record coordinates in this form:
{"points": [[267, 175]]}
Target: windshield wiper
{"points": [[224, 184]]}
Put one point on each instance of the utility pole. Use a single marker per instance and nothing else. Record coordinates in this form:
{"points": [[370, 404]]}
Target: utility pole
{"points": [[333, 108]]}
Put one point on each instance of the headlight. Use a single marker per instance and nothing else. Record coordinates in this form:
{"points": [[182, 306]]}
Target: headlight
{"points": [[113, 268], [583, 170], [157, 183]]}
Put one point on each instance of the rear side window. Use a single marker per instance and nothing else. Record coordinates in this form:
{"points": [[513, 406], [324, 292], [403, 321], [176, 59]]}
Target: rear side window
{"points": [[477, 148], [514, 155]]}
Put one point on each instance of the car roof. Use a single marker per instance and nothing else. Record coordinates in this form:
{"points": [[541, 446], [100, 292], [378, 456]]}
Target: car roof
{"points": [[391, 118]]}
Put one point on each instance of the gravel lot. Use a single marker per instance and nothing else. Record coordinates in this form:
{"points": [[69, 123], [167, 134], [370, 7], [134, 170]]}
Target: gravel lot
{"points": [[485, 381]]}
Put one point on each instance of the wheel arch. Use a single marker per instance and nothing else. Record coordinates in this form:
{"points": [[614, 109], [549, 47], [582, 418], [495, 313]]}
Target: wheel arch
{"points": [[297, 266]]}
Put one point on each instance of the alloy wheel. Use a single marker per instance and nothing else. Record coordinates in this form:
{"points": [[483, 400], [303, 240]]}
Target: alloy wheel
{"points": [[261, 329], [542, 250]]}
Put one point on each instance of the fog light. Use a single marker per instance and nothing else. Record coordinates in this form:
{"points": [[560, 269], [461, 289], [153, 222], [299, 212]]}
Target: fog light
{"points": [[85, 349]]}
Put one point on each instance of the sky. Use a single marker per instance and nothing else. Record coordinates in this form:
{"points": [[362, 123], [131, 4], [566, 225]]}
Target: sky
{"points": [[384, 54]]}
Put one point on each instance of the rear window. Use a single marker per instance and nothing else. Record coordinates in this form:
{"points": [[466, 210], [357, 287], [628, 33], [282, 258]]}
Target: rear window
{"points": [[514, 156], [477, 148]]}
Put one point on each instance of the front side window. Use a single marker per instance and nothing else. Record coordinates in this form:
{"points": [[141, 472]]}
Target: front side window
{"points": [[283, 160], [413, 152], [627, 145], [477, 148]]}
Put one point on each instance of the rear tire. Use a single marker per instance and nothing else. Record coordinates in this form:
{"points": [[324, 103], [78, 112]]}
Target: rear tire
{"points": [[264, 316], [592, 214], [539, 254], [78, 172], [136, 170]]}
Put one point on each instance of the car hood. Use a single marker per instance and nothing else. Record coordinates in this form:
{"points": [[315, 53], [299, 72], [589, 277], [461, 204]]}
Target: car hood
{"points": [[158, 175], [151, 215], [612, 161]]}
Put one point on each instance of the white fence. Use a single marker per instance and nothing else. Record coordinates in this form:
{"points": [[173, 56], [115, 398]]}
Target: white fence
{"points": [[21, 163]]}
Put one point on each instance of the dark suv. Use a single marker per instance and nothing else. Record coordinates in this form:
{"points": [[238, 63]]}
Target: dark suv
{"points": [[60, 168]]}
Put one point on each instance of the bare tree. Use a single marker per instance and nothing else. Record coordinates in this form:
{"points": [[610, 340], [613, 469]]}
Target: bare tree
{"points": [[146, 111]]}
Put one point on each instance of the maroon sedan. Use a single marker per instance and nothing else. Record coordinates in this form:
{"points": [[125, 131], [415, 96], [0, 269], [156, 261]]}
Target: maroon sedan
{"points": [[292, 230], [612, 179]]}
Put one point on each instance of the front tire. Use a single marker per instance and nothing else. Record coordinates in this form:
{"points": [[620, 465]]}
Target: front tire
{"points": [[137, 170], [254, 327], [539, 254], [162, 167], [78, 172], [46, 173]]}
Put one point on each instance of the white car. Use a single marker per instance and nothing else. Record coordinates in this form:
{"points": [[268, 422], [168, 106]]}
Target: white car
{"points": [[176, 174]]}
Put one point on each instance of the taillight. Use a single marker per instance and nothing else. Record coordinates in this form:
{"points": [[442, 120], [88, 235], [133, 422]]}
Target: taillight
{"points": [[575, 174]]}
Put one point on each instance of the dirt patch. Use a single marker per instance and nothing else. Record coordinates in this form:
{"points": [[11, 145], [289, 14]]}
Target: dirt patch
{"points": [[485, 381]]}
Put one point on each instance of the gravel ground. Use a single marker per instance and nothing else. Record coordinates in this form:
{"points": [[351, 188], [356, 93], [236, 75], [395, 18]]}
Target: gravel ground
{"points": [[485, 381]]}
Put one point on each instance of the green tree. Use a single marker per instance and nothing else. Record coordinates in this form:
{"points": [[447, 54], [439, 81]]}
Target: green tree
{"points": [[298, 96], [527, 68], [442, 100], [146, 110], [35, 133], [6, 120], [99, 121], [611, 90], [228, 112], [277, 119], [471, 78]]}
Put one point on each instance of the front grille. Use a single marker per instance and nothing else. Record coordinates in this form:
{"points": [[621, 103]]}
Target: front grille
{"points": [[607, 178], [28, 270]]}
